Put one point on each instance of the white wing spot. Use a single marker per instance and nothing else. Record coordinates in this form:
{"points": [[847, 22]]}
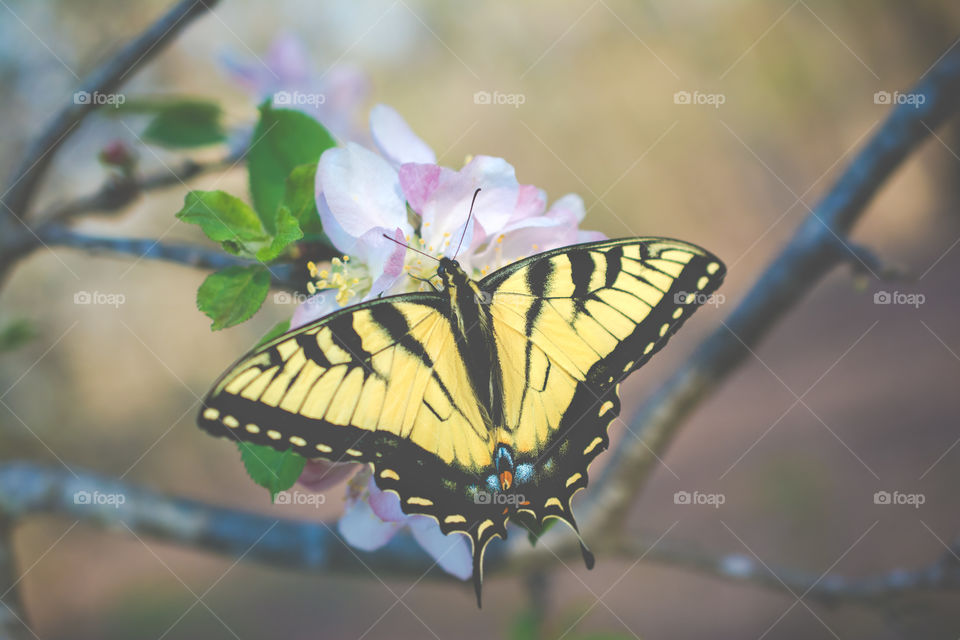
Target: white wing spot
{"points": [[298, 441], [231, 422], [324, 448], [677, 312], [702, 282], [353, 452], [252, 428], [712, 268], [664, 329], [273, 434], [211, 414]]}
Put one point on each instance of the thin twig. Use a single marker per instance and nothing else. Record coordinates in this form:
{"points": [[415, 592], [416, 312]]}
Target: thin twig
{"points": [[12, 616], [147, 248]]}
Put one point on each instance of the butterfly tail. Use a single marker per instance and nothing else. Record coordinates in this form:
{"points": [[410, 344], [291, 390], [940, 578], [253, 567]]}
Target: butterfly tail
{"points": [[478, 572]]}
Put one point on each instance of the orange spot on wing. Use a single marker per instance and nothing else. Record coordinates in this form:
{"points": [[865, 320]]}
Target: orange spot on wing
{"points": [[506, 479]]}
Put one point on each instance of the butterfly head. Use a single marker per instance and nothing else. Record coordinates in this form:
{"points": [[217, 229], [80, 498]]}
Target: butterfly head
{"points": [[451, 273]]}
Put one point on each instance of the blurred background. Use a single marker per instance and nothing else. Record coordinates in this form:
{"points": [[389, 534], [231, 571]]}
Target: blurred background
{"points": [[114, 388]]}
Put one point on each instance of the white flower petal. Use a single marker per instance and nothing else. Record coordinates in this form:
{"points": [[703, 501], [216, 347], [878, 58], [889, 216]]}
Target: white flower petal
{"points": [[452, 552], [396, 140], [362, 529], [361, 190]]}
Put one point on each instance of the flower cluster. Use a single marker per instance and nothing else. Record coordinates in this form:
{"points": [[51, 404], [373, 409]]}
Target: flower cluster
{"points": [[400, 191]]}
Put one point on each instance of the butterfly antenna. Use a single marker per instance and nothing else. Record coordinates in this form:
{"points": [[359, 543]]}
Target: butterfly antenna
{"points": [[465, 226], [403, 244]]}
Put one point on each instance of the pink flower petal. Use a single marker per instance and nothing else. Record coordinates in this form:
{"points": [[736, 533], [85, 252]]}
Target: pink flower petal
{"points": [[568, 207], [396, 140], [531, 202], [385, 504], [590, 236], [361, 527], [320, 475], [361, 190], [418, 182], [452, 552], [446, 211], [314, 308], [288, 60]]}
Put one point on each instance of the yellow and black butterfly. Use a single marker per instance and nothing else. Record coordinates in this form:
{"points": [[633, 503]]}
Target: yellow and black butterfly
{"points": [[481, 402]]}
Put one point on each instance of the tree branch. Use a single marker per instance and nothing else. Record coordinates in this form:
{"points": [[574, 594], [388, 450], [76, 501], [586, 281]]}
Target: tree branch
{"points": [[29, 489], [106, 79], [815, 249]]}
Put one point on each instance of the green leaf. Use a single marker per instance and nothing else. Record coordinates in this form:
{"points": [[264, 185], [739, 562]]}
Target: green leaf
{"points": [[278, 330], [300, 197], [225, 219], [180, 123], [525, 626], [287, 232], [232, 295], [271, 469], [282, 141], [534, 536], [16, 334]]}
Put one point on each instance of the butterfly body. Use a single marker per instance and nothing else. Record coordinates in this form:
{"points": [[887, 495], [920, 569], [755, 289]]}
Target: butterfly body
{"points": [[480, 403]]}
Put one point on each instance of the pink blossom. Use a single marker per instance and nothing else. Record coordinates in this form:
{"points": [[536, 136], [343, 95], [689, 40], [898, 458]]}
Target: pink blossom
{"points": [[333, 97], [373, 517]]}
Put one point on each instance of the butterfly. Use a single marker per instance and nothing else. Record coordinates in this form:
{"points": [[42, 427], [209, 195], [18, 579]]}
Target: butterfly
{"points": [[479, 402]]}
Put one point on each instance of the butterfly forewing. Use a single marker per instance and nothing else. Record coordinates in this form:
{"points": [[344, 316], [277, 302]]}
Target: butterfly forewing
{"points": [[372, 383]]}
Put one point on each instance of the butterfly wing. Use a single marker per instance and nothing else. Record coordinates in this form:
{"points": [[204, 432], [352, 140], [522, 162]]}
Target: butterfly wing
{"points": [[570, 324], [374, 383]]}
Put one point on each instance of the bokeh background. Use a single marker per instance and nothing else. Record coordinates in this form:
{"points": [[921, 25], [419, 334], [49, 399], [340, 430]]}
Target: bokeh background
{"points": [[114, 389]]}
